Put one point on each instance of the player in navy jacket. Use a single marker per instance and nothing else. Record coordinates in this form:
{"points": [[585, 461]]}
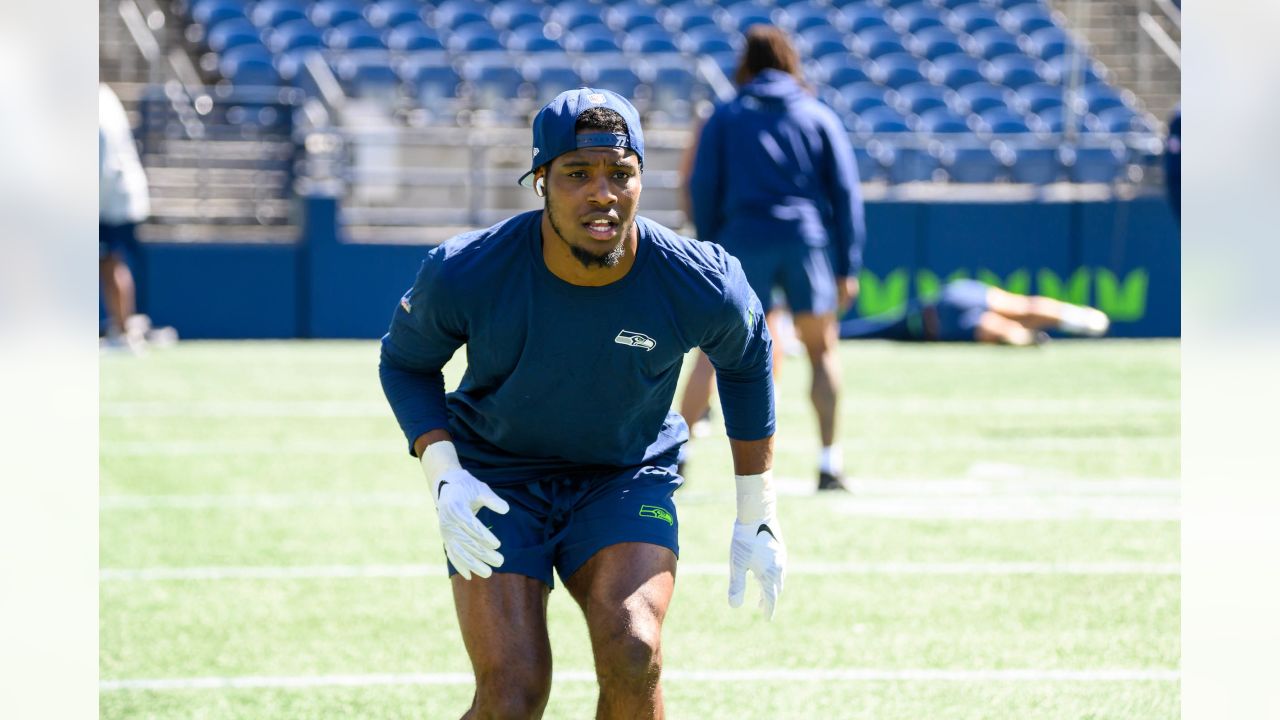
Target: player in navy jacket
{"points": [[775, 182], [559, 447]]}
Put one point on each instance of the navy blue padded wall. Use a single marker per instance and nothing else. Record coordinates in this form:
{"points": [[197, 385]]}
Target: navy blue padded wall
{"points": [[1135, 254]]}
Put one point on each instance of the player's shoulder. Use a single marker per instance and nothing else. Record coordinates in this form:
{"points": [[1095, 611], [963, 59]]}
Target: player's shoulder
{"points": [[475, 251], [687, 255]]}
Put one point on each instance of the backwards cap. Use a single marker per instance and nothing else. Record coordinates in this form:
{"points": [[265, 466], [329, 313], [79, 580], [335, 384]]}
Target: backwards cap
{"points": [[554, 133]]}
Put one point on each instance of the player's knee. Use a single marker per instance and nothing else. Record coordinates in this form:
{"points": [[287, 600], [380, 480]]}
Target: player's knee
{"points": [[512, 692], [633, 658]]}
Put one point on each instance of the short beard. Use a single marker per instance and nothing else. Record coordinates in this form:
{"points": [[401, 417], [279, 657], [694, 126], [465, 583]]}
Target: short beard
{"points": [[586, 257]]}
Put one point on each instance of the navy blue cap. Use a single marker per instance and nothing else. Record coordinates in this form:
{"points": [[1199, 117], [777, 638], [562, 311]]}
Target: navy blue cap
{"points": [[554, 134]]}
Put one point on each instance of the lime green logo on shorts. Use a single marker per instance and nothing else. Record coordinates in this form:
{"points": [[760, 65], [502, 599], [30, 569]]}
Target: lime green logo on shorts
{"points": [[654, 511]]}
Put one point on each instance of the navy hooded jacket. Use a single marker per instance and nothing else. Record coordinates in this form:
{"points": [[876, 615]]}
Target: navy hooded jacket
{"points": [[775, 165]]}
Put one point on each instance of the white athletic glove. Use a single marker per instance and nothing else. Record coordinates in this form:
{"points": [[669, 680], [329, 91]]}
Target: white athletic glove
{"points": [[757, 543], [470, 546]]}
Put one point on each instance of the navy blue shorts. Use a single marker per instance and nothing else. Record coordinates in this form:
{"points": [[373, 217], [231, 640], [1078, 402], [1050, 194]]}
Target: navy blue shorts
{"points": [[802, 271], [116, 239], [960, 307], [562, 521]]}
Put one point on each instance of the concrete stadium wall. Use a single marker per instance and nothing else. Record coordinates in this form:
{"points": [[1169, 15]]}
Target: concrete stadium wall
{"points": [[1121, 256]]}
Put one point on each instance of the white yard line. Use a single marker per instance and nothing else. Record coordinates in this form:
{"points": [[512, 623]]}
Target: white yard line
{"points": [[299, 572], [670, 675]]}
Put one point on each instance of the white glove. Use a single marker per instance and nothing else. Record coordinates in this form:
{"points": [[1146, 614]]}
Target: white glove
{"points": [[757, 543], [469, 545]]}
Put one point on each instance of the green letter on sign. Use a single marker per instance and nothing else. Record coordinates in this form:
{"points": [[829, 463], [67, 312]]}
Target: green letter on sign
{"points": [[1076, 290], [876, 297], [1127, 301]]}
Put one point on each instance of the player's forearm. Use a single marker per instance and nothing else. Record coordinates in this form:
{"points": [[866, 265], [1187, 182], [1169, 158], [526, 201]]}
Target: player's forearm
{"points": [[752, 457], [430, 437], [416, 399]]}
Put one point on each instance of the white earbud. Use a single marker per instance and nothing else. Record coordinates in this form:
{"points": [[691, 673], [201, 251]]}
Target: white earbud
{"points": [[540, 187]]}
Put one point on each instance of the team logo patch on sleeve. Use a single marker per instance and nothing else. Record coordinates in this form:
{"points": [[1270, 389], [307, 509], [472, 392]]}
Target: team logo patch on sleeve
{"points": [[635, 339]]}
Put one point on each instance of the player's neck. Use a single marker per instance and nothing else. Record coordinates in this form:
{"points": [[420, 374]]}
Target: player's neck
{"points": [[562, 263]]}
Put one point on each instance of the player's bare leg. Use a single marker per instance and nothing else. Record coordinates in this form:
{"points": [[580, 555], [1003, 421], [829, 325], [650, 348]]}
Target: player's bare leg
{"points": [[773, 320], [1038, 312], [996, 329], [624, 591], [504, 627], [118, 290], [820, 335]]}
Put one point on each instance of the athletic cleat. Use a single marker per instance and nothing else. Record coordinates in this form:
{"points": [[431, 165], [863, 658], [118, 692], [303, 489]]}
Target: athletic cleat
{"points": [[831, 481]]}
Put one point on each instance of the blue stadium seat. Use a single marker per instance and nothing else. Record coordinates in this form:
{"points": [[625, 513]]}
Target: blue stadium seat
{"points": [[244, 52], [295, 34], [1101, 96], [934, 42], [1003, 121], [553, 80], [877, 41], [688, 15], [1120, 120], [917, 16], [629, 15], [1036, 165], [1037, 97], [956, 71], [911, 164], [861, 16], [883, 119], [869, 169], [366, 75], [248, 72], [846, 74], [232, 33], [1006, 4], [332, 13], [707, 40], [591, 39], [649, 40], [572, 14], [981, 97], [512, 14], [804, 15], [743, 15], [471, 37], [434, 84], [270, 13], [1052, 119], [942, 121], [620, 78], [452, 14], [821, 41], [993, 42], [972, 18], [493, 85], [860, 97], [897, 70], [1028, 18], [972, 163], [355, 35], [1015, 71], [674, 90], [210, 13], [1059, 69], [393, 13], [412, 37], [1049, 43], [531, 38], [918, 97], [953, 4], [1094, 164]]}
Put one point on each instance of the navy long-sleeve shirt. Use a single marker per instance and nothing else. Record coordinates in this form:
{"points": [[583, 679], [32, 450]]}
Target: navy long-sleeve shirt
{"points": [[775, 165], [561, 376]]}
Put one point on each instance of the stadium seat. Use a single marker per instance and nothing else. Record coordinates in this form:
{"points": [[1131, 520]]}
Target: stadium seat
{"points": [[1048, 43], [971, 162], [861, 96], [953, 4], [896, 70], [1094, 164], [552, 77], [981, 97], [688, 15], [355, 35], [674, 91], [993, 42], [917, 16], [956, 71], [1003, 121], [869, 169], [1037, 97], [632, 14], [942, 121], [846, 74], [210, 13], [934, 42], [413, 36], [882, 119], [743, 15], [477, 36], [249, 72], [332, 13], [270, 13], [246, 51], [366, 75], [1015, 71], [1119, 119], [432, 82], [591, 39], [972, 18], [452, 14], [1035, 165], [618, 78], [1052, 119], [803, 15], [494, 85], [393, 13], [916, 98], [1028, 18], [707, 40], [1100, 96], [295, 34], [649, 40], [573, 14], [875, 42], [911, 164], [861, 16], [531, 38], [512, 14], [1059, 69], [232, 33]]}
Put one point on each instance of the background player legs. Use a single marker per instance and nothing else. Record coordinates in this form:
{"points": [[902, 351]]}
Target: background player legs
{"points": [[624, 591], [504, 627], [118, 290], [819, 335], [996, 329], [1038, 312]]}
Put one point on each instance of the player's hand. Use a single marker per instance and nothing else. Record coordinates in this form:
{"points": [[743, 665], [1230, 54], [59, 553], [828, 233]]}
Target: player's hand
{"points": [[846, 294], [469, 545], [757, 542]]}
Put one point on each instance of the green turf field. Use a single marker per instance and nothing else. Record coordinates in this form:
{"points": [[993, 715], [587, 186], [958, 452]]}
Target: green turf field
{"points": [[268, 548]]}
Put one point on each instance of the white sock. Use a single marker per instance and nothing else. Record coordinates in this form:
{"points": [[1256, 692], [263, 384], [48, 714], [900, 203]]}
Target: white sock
{"points": [[1079, 320], [831, 460]]}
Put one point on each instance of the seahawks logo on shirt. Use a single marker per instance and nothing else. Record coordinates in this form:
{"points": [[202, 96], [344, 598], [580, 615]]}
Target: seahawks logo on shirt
{"points": [[635, 339]]}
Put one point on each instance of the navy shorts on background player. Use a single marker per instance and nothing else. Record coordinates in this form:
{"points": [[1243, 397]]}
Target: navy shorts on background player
{"points": [[116, 239], [960, 307], [802, 271], [562, 521]]}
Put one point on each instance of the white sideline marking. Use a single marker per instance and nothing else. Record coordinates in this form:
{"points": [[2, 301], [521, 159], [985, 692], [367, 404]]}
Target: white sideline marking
{"points": [[295, 572], [672, 675]]}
